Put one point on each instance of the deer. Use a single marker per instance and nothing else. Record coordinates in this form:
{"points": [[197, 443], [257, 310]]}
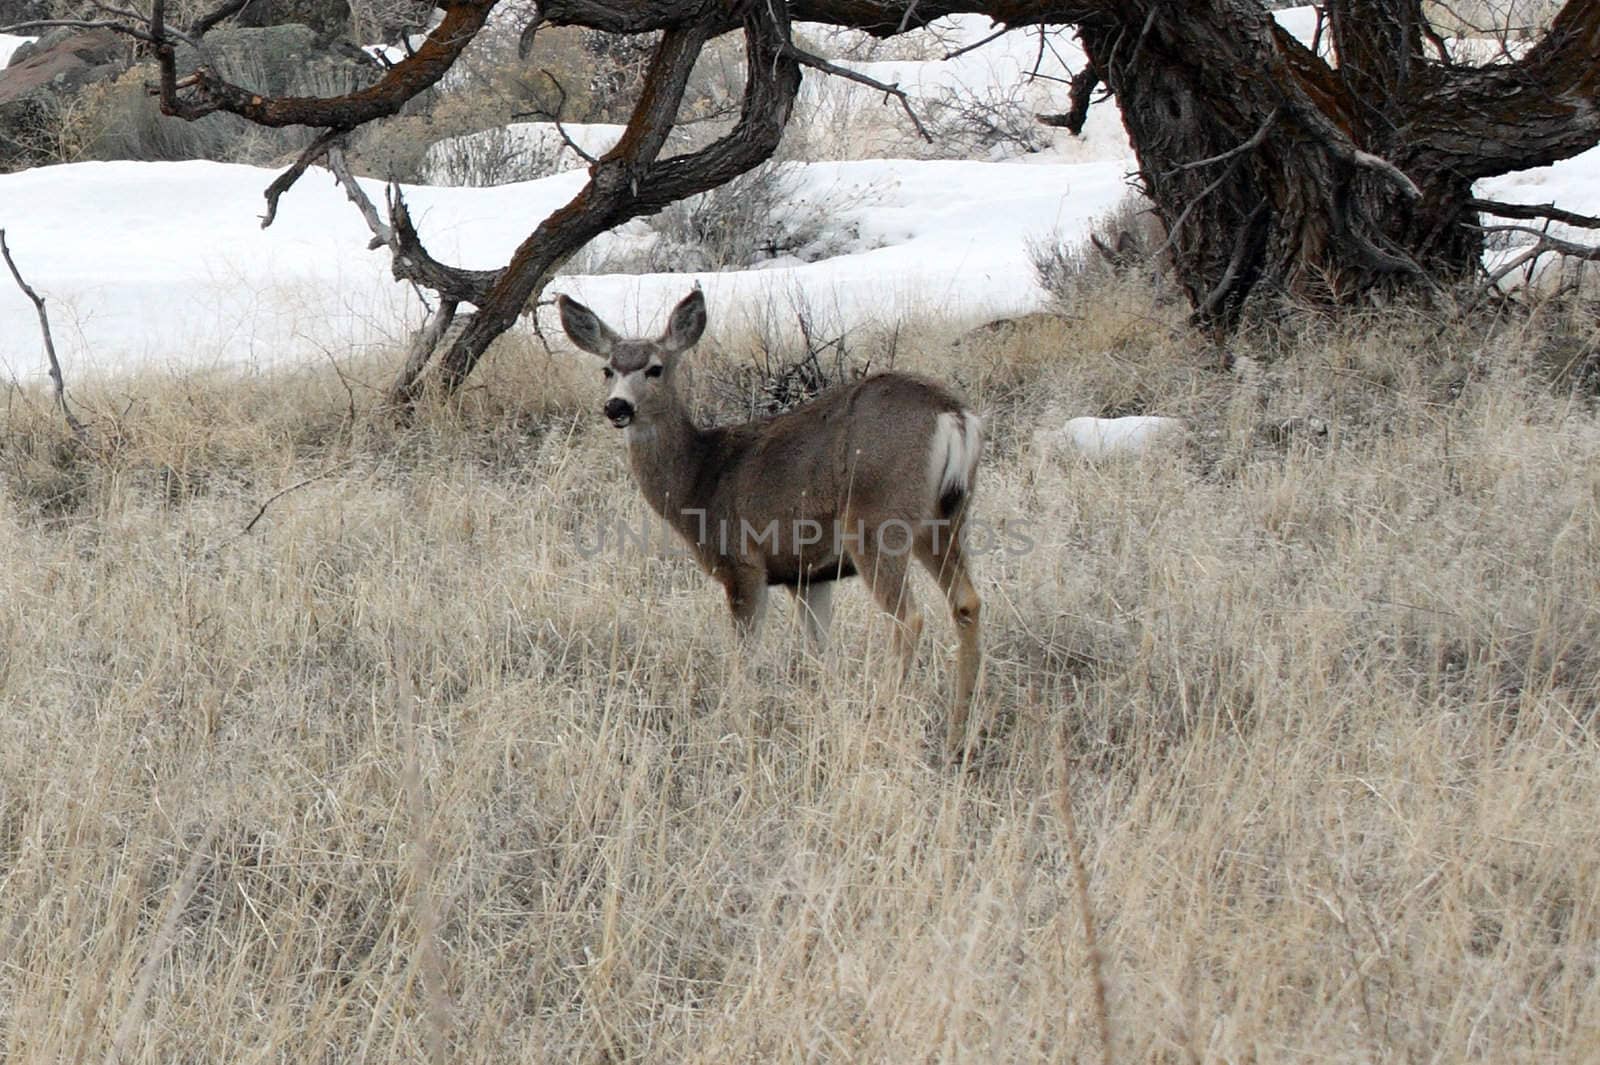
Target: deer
{"points": [[856, 482]]}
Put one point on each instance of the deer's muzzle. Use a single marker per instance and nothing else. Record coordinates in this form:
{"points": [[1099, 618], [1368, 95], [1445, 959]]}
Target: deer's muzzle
{"points": [[620, 411]]}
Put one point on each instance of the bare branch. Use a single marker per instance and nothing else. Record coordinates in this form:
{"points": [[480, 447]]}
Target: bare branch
{"points": [[423, 345], [975, 45], [1251, 144], [285, 180], [806, 59], [413, 263], [125, 28], [1079, 96], [204, 91], [76, 426], [262, 510], [1224, 287], [225, 10], [381, 233], [1543, 245], [410, 260], [561, 105], [1379, 165]]}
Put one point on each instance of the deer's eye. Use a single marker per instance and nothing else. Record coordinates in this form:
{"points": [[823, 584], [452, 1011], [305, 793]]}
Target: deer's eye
{"points": [[608, 373], [654, 371]]}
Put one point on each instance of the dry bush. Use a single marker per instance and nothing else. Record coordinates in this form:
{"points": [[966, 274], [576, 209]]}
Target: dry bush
{"points": [[416, 768], [1128, 242]]}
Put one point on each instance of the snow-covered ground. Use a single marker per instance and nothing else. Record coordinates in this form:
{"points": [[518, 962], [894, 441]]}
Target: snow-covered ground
{"points": [[165, 264]]}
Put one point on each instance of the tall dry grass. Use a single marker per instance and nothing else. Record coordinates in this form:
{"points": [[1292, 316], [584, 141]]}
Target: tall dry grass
{"points": [[399, 773]]}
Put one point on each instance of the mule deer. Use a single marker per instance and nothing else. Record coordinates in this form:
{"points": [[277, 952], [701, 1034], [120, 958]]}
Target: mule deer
{"points": [[858, 481]]}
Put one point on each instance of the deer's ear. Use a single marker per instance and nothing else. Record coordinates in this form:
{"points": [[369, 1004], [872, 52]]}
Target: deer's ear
{"points": [[688, 321], [585, 329]]}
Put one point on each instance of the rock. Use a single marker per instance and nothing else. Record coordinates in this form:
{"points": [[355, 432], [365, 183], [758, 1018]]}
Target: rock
{"points": [[1101, 438], [34, 89], [327, 18], [290, 59]]}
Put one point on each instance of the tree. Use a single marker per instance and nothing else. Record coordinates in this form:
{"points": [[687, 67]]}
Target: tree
{"points": [[1276, 170]]}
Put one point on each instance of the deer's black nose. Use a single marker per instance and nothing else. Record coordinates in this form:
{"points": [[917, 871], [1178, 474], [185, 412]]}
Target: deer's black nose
{"points": [[620, 411]]}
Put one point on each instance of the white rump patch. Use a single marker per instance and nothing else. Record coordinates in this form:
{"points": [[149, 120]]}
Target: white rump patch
{"points": [[957, 443]]}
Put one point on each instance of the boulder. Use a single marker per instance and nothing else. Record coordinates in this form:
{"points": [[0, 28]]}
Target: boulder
{"points": [[34, 89], [290, 59]]}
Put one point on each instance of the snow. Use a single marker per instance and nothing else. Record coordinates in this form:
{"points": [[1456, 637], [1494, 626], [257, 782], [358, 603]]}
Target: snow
{"points": [[1571, 184], [10, 43], [165, 266]]}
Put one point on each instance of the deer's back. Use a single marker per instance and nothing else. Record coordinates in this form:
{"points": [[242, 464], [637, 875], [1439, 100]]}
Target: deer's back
{"points": [[866, 444]]}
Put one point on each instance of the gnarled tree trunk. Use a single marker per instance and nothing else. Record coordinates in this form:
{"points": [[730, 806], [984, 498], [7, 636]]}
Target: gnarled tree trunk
{"points": [[1328, 181]]}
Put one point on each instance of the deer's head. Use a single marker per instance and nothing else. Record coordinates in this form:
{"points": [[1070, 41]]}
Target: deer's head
{"points": [[640, 374]]}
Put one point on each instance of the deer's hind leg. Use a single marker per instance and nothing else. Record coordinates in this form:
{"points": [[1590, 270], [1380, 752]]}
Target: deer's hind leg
{"points": [[945, 559], [816, 610], [886, 572]]}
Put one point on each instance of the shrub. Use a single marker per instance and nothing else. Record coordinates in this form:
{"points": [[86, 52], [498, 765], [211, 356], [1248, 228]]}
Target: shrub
{"points": [[1127, 242]]}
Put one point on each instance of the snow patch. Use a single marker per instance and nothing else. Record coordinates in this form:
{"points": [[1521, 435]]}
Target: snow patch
{"points": [[1101, 438], [9, 43]]}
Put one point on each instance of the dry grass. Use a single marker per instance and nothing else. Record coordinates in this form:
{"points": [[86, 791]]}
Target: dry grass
{"points": [[400, 774]]}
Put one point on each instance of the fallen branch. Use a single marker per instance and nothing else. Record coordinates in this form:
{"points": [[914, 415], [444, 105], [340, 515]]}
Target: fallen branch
{"points": [[261, 512], [76, 426]]}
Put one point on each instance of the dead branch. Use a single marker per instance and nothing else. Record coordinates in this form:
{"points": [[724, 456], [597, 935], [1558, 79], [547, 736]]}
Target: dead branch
{"points": [[286, 180], [225, 10], [1534, 212], [975, 45], [73, 423], [262, 510], [1079, 96], [127, 29], [1255, 141], [423, 344], [1543, 244], [381, 233], [204, 91], [1225, 286]]}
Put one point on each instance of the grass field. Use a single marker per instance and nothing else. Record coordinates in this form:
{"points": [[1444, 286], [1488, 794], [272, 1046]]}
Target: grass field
{"points": [[401, 773]]}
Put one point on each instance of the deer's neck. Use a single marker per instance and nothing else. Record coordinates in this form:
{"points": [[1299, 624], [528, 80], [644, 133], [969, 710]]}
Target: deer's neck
{"points": [[668, 459]]}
